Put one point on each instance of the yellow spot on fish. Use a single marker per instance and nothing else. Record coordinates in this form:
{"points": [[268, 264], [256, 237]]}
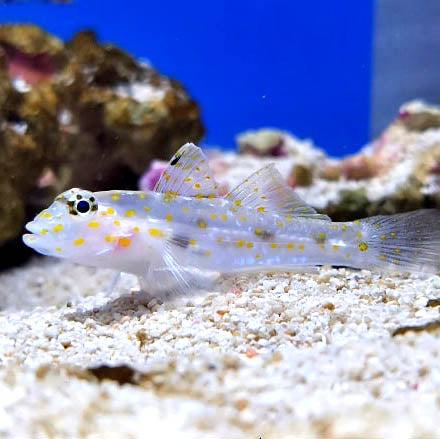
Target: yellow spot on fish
{"points": [[301, 247], [335, 227], [224, 217], [211, 196], [115, 196], [93, 224], [261, 209], [198, 196], [197, 185], [192, 242], [383, 236], [141, 195], [382, 257], [257, 256], [288, 217], [58, 249], [237, 203], [219, 239], [393, 234], [249, 245], [359, 234], [213, 216], [117, 222], [207, 253], [78, 241], [197, 169], [335, 247], [273, 245], [169, 217], [363, 246], [201, 224], [239, 243], [109, 238], [187, 180], [147, 208], [279, 223], [110, 211], [165, 176], [45, 215], [129, 213], [256, 189], [344, 227], [43, 232], [290, 246], [376, 226], [185, 209], [169, 196], [397, 250], [263, 197], [357, 222], [347, 255], [135, 229], [124, 242], [57, 228], [157, 233], [187, 167], [242, 218], [258, 231]]}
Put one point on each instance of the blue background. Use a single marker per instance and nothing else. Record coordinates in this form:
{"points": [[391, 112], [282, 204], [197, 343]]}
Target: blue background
{"points": [[299, 66]]}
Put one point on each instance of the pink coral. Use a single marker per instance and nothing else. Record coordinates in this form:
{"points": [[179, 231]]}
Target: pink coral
{"points": [[151, 176]]}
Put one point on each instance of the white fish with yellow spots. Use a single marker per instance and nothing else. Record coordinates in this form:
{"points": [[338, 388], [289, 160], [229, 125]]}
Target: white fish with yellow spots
{"points": [[184, 227]]}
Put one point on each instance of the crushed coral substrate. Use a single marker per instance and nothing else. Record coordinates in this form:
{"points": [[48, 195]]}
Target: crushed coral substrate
{"points": [[334, 354]]}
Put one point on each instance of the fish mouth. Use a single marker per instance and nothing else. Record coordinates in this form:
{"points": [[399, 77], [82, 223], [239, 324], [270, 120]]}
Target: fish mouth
{"points": [[37, 239], [33, 227], [38, 243]]}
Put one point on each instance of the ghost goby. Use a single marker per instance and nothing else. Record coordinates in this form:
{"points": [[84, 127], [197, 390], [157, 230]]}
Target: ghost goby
{"points": [[168, 236]]}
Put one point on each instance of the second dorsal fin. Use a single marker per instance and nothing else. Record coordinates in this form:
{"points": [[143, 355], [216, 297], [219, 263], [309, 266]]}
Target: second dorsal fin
{"points": [[265, 190], [188, 174]]}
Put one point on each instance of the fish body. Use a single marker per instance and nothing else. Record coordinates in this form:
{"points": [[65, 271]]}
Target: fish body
{"points": [[183, 226]]}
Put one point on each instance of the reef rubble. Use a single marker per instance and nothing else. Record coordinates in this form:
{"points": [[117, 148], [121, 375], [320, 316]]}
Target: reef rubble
{"points": [[79, 114]]}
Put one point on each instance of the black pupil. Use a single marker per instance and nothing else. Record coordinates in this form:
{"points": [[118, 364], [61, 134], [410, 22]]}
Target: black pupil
{"points": [[82, 206]]}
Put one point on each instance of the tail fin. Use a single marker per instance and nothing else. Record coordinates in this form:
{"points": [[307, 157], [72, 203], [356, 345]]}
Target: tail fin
{"points": [[406, 241]]}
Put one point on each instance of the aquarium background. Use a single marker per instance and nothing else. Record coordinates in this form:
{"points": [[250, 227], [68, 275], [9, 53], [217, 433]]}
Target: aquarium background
{"points": [[334, 72], [300, 66]]}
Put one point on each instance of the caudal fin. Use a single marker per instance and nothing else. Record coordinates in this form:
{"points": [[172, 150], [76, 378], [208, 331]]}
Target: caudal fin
{"points": [[406, 241]]}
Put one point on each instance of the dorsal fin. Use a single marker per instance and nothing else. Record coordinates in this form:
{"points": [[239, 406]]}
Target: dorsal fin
{"points": [[265, 190], [188, 174]]}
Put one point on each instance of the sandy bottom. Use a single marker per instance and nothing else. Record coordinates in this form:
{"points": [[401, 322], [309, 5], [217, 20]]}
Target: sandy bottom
{"points": [[337, 354]]}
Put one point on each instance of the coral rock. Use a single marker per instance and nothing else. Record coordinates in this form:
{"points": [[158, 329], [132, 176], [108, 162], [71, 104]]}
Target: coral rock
{"points": [[80, 114]]}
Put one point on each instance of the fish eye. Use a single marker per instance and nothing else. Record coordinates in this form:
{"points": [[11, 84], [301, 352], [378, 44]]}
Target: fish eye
{"points": [[81, 203], [82, 206]]}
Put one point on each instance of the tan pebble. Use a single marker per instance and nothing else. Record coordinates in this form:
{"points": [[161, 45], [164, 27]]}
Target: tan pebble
{"points": [[241, 404], [329, 306], [276, 357], [222, 312]]}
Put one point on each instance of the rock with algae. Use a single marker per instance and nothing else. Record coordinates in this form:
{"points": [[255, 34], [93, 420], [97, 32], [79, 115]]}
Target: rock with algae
{"points": [[79, 114]]}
